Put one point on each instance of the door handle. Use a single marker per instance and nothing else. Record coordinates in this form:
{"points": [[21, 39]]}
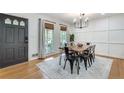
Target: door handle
{"points": [[26, 39]]}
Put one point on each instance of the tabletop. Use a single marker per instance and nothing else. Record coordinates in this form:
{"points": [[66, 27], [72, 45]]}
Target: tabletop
{"points": [[79, 49]]}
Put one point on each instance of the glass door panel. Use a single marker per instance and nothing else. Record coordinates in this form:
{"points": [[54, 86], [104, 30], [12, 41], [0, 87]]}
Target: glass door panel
{"points": [[49, 41], [63, 38]]}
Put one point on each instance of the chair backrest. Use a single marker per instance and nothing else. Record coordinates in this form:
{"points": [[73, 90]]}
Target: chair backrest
{"points": [[93, 49], [66, 44], [66, 49], [88, 50]]}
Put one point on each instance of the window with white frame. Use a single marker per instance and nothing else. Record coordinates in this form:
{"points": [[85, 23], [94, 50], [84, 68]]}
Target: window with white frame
{"points": [[49, 38], [63, 35]]}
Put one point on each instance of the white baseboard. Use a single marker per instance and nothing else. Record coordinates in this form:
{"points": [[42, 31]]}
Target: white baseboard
{"points": [[109, 56]]}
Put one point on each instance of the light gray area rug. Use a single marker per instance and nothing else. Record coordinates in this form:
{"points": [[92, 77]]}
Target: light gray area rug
{"points": [[99, 70]]}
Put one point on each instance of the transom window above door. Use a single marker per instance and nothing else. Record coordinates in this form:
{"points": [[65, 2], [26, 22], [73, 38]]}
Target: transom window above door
{"points": [[14, 22], [8, 21]]}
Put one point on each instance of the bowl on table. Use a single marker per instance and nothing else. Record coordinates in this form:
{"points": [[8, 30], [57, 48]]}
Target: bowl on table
{"points": [[80, 45]]}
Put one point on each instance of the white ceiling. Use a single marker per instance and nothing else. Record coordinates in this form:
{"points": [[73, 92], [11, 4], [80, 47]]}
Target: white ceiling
{"points": [[68, 17]]}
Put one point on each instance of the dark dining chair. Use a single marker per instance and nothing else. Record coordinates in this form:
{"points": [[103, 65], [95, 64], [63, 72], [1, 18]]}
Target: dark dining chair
{"points": [[92, 53], [85, 56], [61, 53], [71, 58]]}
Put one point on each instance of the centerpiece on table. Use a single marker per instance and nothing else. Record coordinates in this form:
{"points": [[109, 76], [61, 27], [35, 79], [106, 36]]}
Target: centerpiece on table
{"points": [[80, 45]]}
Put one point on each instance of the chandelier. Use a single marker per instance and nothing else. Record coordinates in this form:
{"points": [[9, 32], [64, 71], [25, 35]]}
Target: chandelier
{"points": [[81, 22]]}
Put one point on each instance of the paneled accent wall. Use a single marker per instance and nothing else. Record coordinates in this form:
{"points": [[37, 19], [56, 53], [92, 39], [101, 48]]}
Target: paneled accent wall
{"points": [[107, 33]]}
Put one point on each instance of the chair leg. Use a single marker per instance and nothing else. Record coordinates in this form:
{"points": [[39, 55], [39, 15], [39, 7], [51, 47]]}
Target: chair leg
{"points": [[89, 62], [71, 65], [91, 58], [77, 60], [78, 67], [76, 63], [65, 64], [85, 63], [81, 59]]}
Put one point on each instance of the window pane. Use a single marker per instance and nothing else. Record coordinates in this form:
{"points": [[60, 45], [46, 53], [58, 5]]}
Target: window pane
{"points": [[63, 37], [15, 22], [7, 21], [22, 23]]}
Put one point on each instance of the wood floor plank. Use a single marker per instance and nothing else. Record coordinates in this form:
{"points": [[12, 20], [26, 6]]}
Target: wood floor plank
{"points": [[117, 69]]}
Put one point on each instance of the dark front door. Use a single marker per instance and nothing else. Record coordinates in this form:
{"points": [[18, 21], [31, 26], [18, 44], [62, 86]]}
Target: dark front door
{"points": [[13, 40]]}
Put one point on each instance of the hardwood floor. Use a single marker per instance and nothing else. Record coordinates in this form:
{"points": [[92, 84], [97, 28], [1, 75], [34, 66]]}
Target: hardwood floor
{"points": [[26, 70], [117, 69], [29, 70]]}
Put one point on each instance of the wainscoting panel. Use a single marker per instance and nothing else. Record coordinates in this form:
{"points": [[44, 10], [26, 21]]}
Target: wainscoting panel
{"points": [[116, 50], [116, 36], [116, 22], [101, 48], [92, 36], [98, 25], [100, 36]]}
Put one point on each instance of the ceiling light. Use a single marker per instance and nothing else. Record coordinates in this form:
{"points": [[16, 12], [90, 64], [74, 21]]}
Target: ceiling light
{"points": [[80, 22]]}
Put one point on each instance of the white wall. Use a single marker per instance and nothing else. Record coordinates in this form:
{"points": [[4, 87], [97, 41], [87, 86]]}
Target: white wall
{"points": [[107, 33], [34, 31]]}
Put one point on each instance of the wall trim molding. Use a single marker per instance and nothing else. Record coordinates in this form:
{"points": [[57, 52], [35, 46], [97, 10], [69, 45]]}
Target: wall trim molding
{"points": [[109, 57], [87, 31], [108, 43]]}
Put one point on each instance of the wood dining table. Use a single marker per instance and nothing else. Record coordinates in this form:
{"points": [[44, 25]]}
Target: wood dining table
{"points": [[74, 48], [78, 49]]}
